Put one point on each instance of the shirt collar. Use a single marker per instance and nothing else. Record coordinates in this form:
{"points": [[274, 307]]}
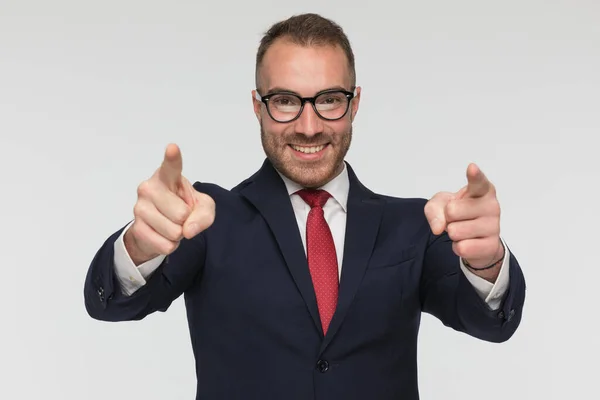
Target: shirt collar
{"points": [[338, 187]]}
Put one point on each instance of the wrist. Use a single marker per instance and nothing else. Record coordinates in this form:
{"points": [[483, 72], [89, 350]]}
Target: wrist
{"points": [[497, 260], [133, 250]]}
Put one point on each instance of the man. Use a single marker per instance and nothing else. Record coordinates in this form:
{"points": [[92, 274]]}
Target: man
{"points": [[301, 283]]}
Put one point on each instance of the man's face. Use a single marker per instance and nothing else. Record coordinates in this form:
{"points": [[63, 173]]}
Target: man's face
{"points": [[308, 150]]}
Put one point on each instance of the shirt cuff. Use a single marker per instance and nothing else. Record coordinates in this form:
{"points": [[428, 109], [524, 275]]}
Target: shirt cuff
{"points": [[491, 293], [130, 276]]}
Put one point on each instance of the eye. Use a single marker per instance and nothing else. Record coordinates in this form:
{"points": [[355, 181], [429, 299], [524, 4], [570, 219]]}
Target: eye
{"points": [[282, 100], [328, 101]]}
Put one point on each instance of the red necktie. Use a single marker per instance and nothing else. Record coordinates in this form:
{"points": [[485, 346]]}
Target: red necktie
{"points": [[321, 255]]}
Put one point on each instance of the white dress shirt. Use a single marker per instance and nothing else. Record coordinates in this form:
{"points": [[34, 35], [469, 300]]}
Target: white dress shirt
{"points": [[132, 278]]}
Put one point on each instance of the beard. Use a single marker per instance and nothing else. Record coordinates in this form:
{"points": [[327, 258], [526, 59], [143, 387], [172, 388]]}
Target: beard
{"points": [[309, 174]]}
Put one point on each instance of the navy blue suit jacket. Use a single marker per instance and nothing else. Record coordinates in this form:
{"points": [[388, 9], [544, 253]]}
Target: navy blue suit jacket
{"points": [[252, 311]]}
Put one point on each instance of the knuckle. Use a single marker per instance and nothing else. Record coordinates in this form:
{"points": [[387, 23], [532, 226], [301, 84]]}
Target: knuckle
{"points": [[427, 207], [202, 219], [175, 233], [493, 226], [181, 214], [461, 248], [452, 230], [205, 199], [452, 210], [139, 209], [144, 188], [207, 207], [495, 208], [456, 249], [493, 243], [209, 219], [168, 247], [431, 207]]}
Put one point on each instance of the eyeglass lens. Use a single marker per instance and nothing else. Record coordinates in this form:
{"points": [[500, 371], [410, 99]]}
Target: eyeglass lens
{"points": [[285, 107]]}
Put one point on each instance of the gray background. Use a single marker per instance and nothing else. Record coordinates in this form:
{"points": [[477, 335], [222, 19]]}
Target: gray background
{"points": [[91, 93]]}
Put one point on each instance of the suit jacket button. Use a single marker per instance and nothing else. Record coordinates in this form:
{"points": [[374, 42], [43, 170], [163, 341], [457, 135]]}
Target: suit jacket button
{"points": [[322, 366], [101, 293]]}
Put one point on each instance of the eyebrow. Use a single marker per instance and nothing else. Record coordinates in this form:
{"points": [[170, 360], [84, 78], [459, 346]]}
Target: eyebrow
{"points": [[282, 89]]}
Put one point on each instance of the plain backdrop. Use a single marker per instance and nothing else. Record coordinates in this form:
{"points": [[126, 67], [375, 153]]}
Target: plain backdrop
{"points": [[92, 92]]}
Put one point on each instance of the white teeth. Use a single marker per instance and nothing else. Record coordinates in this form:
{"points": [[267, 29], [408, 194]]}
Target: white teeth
{"points": [[308, 150]]}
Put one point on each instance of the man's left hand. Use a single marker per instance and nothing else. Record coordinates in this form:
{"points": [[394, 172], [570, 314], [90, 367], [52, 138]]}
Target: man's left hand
{"points": [[471, 217]]}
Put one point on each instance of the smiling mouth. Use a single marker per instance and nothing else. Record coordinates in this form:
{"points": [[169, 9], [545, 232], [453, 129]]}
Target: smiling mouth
{"points": [[308, 149]]}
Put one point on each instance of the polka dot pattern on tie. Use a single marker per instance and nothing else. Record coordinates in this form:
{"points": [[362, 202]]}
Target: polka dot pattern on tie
{"points": [[322, 258]]}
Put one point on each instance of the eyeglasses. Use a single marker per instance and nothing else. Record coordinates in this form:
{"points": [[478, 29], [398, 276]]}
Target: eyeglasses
{"points": [[330, 105]]}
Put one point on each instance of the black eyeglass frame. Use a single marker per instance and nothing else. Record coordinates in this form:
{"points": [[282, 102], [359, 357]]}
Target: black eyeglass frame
{"points": [[303, 100]]}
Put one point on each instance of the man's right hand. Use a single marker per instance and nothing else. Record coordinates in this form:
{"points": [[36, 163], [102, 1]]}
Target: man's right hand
{"points": [[168, 209]]}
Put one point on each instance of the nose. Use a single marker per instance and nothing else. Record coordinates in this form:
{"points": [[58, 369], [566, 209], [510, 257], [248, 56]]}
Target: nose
{"points": [[309, 123]]}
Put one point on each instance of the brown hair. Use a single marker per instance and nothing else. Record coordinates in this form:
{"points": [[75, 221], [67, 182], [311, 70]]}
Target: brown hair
{"points": [[306, 30]]}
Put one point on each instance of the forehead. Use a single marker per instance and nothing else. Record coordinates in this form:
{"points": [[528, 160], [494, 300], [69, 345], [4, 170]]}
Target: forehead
{"points": [[304, 69]]}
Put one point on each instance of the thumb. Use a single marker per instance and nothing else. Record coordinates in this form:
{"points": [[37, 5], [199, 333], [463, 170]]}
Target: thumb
{"points": [[434, 211], [202, 216]]}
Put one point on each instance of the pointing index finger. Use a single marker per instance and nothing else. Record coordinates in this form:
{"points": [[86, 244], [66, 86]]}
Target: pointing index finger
{"points": [[171, 167], [478, 184]]}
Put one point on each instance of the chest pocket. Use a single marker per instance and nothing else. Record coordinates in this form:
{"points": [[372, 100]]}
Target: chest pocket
{"points": [[388, 257]]}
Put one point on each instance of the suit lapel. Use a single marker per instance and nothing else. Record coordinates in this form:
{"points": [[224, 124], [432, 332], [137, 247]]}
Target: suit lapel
{"points": [[364, 212], [266, 191]]}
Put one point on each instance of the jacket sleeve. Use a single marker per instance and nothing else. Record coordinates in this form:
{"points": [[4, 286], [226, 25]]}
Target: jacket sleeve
{"points": [[447, 294], [104, 299]]}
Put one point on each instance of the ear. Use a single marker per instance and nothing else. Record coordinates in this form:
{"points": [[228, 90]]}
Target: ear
{"points": [[355, 103], [257, 105]]}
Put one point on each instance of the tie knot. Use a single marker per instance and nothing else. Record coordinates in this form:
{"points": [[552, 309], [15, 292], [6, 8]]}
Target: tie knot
{"points": [[314, 197]]}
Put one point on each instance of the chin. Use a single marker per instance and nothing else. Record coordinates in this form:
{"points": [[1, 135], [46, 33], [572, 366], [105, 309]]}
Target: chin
{"points": [[307, 173], [310, 175]]}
